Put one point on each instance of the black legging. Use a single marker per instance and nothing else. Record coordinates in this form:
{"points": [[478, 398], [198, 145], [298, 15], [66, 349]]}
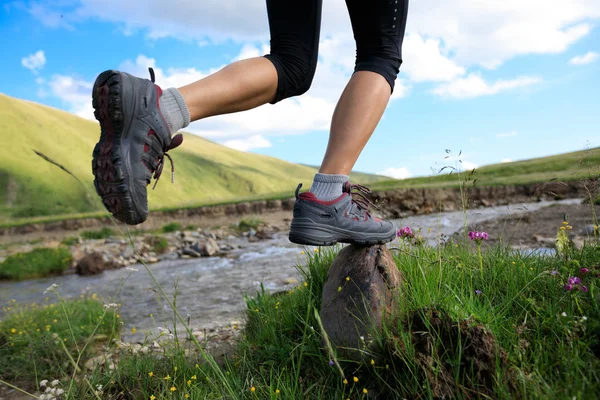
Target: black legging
{"points": [[295, 25]]}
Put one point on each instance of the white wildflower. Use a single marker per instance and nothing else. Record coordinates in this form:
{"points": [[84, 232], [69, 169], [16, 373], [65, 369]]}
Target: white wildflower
{"points": [[51, 288], [564, 314], [59, 392], [98, 387], [111, 305], [132, 269], [44, 382], [584, 318], [55, 382]]}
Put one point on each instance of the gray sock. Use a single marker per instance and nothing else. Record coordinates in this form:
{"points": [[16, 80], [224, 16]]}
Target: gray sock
{"points": [[328, 187], [174, 109]]}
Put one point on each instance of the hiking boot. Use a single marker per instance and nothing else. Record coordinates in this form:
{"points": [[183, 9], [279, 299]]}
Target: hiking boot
{"points": [[345, 220], [134, 139]]}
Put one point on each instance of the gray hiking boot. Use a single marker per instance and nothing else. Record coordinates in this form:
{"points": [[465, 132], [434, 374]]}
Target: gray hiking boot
{"points": [[344, 220], [133, 143]]}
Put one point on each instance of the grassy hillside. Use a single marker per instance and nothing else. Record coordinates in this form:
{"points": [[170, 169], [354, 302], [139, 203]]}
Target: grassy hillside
{"points": [[563, 167], [205, 172]]}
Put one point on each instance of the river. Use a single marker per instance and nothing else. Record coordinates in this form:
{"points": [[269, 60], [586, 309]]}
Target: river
{"points": [[210, 289]]}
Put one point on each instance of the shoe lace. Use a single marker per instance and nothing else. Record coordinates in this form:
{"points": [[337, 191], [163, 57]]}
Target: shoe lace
{"points": [[359, 196], [175, 141]]}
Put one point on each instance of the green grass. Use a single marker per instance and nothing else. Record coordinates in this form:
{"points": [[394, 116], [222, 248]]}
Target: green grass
{"points": [[206, 172], [549, 336], [246, 224], [35, 264], [38, 341], [171, 227], [97, 234]]}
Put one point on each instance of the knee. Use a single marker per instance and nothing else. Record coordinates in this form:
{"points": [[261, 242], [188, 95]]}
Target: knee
{"points": [[295, 67], [387, 65]]}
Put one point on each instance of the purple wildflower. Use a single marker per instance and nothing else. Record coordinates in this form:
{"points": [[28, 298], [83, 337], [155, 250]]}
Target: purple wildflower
{"points": [[574, 280], [405, 232], [554, 272], [478, 236], [584, 270], [330, 363], [478, 291]]}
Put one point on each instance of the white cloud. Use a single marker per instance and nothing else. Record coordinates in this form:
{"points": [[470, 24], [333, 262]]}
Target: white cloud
{"points": [[475, 86], [506, 160], [253, 142], [34, 62], [587, 58], [506, 134], [397, 173], [474, 32], [468, 166], [75, 93], [424, 60]]}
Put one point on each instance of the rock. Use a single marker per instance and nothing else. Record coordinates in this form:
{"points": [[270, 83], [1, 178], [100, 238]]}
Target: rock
{"points": [[253, 239], [169, 256], [588, 230], [97, 361], [128, 252], [290, 281], [251, 232], [207, 248], [365, 301], [190, 252], [93, 264], [262, 234]]}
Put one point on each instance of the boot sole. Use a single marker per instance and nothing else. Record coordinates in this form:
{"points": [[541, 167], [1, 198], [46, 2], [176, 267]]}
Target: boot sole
{"points": [[313, 234], [111, 171]]}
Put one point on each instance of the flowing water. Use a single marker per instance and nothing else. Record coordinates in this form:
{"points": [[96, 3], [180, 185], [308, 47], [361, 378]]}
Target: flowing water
{"points": [[210, 289]]}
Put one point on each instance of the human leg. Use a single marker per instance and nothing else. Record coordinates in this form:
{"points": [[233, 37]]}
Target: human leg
{"points": [[328, 214], [138, 119], [379, 31]]}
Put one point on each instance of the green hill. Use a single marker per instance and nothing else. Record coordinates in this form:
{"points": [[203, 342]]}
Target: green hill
{"points": [[584, 164], [205, 172]]}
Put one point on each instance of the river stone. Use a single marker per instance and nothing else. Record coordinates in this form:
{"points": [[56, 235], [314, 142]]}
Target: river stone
{"points": [[93, 264], [351, 315], [207, 248]]}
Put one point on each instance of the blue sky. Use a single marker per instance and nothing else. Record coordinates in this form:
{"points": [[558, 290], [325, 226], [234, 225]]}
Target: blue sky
{"points": [[512, 81]]}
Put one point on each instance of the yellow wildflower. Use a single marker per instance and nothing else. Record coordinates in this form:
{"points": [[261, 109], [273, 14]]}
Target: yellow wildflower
{"points": [[276, 391], [339, 288], [194, 377], [365, 391], [347, 278], [173, 388], [305, 284], [302, 252], [54, 320], [133, 330], [167, 377], [13, 330], [150, 374], [189, 382], [372, 362], [253, 389], [187, 396], [355, 379], [345, 381], [316, 250], [152, 397]]}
